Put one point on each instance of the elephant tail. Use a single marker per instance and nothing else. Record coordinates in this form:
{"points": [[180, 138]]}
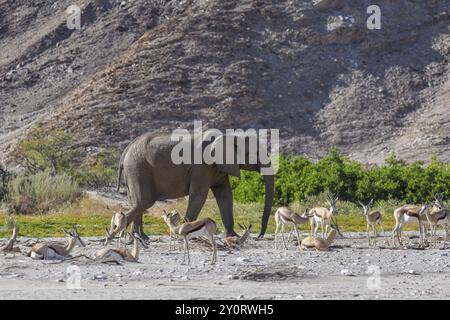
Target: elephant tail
{"points": [[119, 176]]}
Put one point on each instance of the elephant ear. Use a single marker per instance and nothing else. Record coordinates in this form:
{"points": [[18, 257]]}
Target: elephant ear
{"points": [[233, 168]]}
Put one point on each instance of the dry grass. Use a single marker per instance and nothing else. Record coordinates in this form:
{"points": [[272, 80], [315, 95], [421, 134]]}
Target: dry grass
{"points": [[93, 216]]}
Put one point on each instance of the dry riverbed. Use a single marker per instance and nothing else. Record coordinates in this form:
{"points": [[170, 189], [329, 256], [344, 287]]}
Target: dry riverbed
{"points": [[350, 270]]}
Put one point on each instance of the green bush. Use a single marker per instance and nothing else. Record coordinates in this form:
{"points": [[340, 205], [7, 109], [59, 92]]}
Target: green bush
{"points": [[97, 174], [47, 151], [300, 179], [4, 177], [41, 192], [52, 151]]}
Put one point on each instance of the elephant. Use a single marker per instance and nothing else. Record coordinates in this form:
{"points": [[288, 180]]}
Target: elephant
{"points": [[151, 175]]}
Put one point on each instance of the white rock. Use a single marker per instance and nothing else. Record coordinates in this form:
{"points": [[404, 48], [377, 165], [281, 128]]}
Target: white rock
{"points": [[413, 272], [346, 272]]}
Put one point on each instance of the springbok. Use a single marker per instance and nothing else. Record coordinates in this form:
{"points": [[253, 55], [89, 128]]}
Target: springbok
{"points": [[323, 216], [373, 218], [435, 218], [411, 214], [175, 217], [285, 216], [206, 227], [9, 247], [122, 254], [118, 226], [318, 244], [54, 250], [235, 242]]}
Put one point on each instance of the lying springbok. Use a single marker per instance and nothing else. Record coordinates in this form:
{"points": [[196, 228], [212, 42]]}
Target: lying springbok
{"points": [[235, 242], [373, 218], [9, 247], [121, 254], [175, 217], [323, 216], [435, 218], [318, 244], [285, 216], [118, 226], [55, 250], [206, 227]]}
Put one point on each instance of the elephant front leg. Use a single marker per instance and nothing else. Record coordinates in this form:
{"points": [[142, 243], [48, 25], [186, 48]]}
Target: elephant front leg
{"points": [[224, 198], [138, 227], [197, 198]]}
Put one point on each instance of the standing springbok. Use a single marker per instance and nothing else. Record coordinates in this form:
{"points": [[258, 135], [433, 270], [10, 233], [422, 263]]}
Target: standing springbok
{"points": [[318, 244], [411, 214], [175, 217], [118, 226], [285, 216], [54, 250], [435, 218], [206, 227], [323, 216], [120, 254], [373, 218]]}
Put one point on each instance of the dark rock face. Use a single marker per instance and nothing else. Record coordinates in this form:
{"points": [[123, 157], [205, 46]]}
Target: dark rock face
{"points": [[309, 68]]}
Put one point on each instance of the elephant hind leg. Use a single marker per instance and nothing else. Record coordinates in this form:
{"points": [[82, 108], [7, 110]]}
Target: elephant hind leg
{"points": [[141, 194]]}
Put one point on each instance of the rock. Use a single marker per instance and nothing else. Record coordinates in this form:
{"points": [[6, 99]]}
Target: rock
{"points": [[413, 272], [232, 277], [100, 277], [242, 259], [347, 272]]}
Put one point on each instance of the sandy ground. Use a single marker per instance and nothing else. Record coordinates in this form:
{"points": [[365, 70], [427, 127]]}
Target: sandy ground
{"points": [[350, 270]]}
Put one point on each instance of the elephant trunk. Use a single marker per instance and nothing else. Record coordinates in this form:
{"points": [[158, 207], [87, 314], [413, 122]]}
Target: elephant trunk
{"points": [[269, 186]]}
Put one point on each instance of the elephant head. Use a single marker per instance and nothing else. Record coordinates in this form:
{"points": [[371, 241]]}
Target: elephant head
{"points": [[248, 153]]}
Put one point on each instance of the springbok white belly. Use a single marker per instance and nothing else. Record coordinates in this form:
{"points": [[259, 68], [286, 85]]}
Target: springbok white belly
{"points": [[317, 219], [411, 219], [47, 254], [289, 223]]}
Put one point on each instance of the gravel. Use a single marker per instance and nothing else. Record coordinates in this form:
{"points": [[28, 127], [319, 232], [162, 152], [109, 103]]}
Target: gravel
{"points": [[351, 272]]}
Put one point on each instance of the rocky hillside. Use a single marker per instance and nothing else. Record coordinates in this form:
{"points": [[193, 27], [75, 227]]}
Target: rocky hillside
{"points": [[311, 68]]}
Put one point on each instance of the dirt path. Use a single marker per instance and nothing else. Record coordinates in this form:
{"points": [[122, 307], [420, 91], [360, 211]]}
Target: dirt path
{"points": [[255, 272]]}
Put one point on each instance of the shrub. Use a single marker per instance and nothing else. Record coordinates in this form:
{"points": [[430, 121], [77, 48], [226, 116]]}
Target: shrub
{"points": [[41, 192], [47, 151], [4, 177], [300, 179], [97, 174], [51, 151]]}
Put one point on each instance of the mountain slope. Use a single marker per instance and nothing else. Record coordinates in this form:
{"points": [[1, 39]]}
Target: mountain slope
{"points": [[310, 68]]}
